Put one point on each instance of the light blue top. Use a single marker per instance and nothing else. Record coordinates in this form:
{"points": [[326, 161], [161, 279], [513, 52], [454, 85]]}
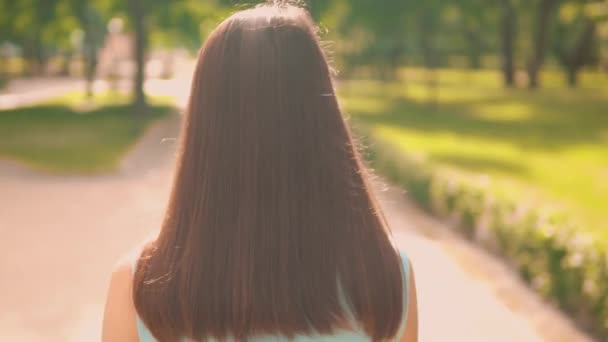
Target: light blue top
{"points": [[340, 336]]}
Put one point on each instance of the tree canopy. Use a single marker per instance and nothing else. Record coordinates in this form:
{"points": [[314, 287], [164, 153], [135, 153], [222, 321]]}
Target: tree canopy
{"points": [[512, 34]]}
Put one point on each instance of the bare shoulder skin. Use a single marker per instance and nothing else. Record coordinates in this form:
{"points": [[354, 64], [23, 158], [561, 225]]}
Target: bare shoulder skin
{"points": [[119, 321], [411, 331]]}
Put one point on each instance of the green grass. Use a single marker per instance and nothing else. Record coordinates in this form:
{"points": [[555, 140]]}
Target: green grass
{"points": [[548, 147], [68, 136]]}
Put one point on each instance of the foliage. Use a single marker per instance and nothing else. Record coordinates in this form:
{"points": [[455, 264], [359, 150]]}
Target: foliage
{"points": [[559, 260], [521, 174], [521, 140], [184, 23], [366, 33], [62, 137]]}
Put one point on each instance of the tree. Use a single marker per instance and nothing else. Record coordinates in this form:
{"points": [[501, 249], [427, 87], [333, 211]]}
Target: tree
{"points": [[428, 21], [180, 19], [92, 25], [542, 20], [44, 14], [6, 35], [576, 29], [474, 25], [26, 22], [507, 41], [385, 32], [138, 15], [576, 57]]}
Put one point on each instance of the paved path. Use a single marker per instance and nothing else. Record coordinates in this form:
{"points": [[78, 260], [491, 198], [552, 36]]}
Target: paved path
{"points": [[24, 92], [465, 294], [27, 91], [61, 237]]}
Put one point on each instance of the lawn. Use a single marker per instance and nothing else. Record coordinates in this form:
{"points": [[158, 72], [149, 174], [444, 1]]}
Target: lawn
{"points": [[67, 136], [548, 147]]}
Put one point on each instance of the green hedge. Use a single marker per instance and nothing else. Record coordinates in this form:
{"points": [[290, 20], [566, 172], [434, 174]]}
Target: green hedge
{"points": [[552, 255]]}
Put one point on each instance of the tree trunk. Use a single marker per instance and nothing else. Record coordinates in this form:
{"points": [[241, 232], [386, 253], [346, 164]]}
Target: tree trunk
{"points": [[4, 69], [40, 57], [533, 69], [429, 55], [507, 40], [43, 16], [396, 53], [34, 55], [541, 35], [474, 48], [433, 86], [572, 76], [93, 36], [90, 52], [138, 16], [475, 57], [65, 67], [91, 67], [576, 59]]}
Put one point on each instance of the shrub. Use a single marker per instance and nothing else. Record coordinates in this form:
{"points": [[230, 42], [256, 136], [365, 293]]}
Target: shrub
{"points": [[552, 255]]}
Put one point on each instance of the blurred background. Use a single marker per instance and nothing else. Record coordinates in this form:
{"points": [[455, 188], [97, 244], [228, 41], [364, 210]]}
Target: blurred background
{"points": [[489, 119]]}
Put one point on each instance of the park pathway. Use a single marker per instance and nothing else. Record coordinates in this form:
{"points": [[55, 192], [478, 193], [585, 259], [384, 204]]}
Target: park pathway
{"points": [[26, 91], [465, 294], [62, 235]]}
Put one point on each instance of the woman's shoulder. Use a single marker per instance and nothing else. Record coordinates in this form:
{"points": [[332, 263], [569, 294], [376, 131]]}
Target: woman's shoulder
{"points": [[120, 317], [119, 323], [131, 258], [403, 254], [124, 268], [405, 260], [409, 328], [127, 263]]}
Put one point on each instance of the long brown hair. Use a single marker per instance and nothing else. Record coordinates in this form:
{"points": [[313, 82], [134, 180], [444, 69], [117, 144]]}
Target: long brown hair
{"points": [[271, 220]]}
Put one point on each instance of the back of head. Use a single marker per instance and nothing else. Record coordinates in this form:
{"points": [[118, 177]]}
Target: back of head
{"points": [[270, 221]]}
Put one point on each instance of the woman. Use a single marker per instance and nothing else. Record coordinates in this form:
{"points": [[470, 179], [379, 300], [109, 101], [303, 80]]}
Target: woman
{"points": [[271, 232]]}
